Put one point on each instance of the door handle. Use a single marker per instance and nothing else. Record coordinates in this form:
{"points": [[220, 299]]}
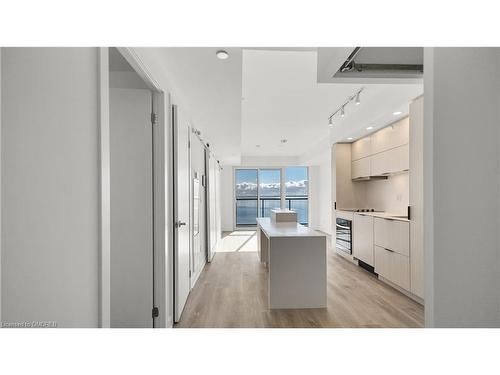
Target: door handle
{"points": [[180, 224]]}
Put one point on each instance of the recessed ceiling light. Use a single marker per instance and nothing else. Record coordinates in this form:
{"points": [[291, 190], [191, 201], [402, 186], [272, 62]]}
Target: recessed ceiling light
{"points": [[284, 140], [369, 128], [350, 138], [397, 113], [222, 55]]}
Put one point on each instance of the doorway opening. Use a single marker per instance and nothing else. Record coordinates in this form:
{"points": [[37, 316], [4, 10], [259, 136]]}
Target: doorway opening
{"points": [[135, 198]]}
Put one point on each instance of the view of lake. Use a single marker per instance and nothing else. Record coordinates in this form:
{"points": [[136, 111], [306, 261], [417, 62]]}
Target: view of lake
{"points": [[266, 184]]}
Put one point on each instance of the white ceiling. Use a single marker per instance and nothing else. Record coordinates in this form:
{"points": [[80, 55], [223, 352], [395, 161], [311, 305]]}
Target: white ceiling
{"points": [[282, 100], [211, 88], [260, 96]]}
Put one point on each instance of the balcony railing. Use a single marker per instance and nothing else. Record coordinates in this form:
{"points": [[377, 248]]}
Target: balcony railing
{"points": [[247, 209]]}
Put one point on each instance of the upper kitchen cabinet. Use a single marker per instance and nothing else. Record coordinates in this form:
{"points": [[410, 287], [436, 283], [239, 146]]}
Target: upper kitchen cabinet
{"points": [[361, 148], [361, 168], [395, 135], [391, 161], [385, 152]]}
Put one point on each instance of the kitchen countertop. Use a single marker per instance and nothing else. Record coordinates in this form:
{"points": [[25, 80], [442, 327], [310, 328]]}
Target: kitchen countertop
{"points": [[383, 215], [286, 229]]}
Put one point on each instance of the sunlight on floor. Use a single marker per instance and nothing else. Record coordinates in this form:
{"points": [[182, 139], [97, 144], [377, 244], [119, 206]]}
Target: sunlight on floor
{"points": [[238, 241]]}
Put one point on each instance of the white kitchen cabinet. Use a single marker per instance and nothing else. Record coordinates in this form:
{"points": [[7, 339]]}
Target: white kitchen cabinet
{"points": [[362, 238], [389, 162], [390, 137], [393, 267], [417, 197], [361, 168], [392, 234], [361, 148]]}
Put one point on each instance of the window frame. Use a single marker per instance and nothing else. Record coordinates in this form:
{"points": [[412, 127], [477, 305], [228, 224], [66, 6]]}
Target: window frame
{"points": [[282, 191]]}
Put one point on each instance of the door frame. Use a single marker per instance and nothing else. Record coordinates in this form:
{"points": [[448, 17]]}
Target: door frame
{"points": [[162, 234]]}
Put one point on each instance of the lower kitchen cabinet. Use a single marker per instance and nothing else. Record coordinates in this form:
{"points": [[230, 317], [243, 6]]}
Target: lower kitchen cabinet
{"points": [[392, 235], [393, 266], [362, 237]]}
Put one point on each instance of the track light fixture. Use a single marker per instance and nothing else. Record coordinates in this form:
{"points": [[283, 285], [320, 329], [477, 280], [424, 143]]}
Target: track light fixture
{"points": [[355, 97]]}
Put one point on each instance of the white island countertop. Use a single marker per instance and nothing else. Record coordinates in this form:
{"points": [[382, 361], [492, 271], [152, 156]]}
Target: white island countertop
{"points": [[286, 229]]}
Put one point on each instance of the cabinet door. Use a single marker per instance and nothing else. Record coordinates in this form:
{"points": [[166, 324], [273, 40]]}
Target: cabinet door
{"points": [[361, 148], [393, 267], [362, 238], [392, 161], [399, 159], [392, 234], [417, 197], [360, 168], [380, 164], [390, 137]]}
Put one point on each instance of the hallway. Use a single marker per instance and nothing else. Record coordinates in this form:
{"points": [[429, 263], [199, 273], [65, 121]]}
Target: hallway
{"points": [[231, 292]]}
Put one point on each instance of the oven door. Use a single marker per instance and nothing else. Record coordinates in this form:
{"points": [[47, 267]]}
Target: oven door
{"points": [[344, 235]]}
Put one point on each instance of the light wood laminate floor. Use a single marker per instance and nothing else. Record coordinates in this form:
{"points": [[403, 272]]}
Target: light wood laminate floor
{"points": [[232, 292]]}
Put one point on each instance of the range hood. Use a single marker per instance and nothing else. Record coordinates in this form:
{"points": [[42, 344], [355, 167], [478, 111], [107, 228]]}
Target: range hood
{"points": [[366, 178]]}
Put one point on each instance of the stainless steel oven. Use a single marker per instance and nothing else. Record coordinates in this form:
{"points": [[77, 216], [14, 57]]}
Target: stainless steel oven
{"points": [[344, 235]]}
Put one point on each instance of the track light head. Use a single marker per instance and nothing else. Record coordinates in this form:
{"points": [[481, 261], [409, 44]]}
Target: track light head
{"points": [[342, 111], [358, 101]]}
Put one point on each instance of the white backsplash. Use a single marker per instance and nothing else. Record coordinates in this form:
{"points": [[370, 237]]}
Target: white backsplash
{"points": [[390, 195]]}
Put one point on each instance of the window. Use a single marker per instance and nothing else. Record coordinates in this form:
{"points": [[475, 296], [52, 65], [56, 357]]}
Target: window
{"points": [[258, 191], [269, 191], [296, 192], [246, 196]]}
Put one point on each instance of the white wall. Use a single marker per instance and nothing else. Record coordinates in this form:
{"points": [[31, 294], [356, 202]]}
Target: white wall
{"points": [[126, 80], [226, 189], [320, 192], [461, 186], [319, 161], [50, 232], [320, 199]]}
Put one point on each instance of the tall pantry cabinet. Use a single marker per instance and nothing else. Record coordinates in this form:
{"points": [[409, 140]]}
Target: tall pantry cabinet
{"points": [[417, 197]]}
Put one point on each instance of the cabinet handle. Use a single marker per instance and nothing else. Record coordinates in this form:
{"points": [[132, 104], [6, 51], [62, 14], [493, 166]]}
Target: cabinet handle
{"points": [[389, 250]]}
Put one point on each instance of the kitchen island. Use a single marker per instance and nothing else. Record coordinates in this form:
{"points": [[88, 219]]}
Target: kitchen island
{"points": [[296, 259]]}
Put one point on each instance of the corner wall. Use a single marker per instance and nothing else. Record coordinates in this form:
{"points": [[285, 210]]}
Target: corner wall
{"points": [[461, 186]]}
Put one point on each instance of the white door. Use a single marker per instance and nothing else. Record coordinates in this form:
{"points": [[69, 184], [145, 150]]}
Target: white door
{"points": [[131, 208], [182, 198], [199, 221]]}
